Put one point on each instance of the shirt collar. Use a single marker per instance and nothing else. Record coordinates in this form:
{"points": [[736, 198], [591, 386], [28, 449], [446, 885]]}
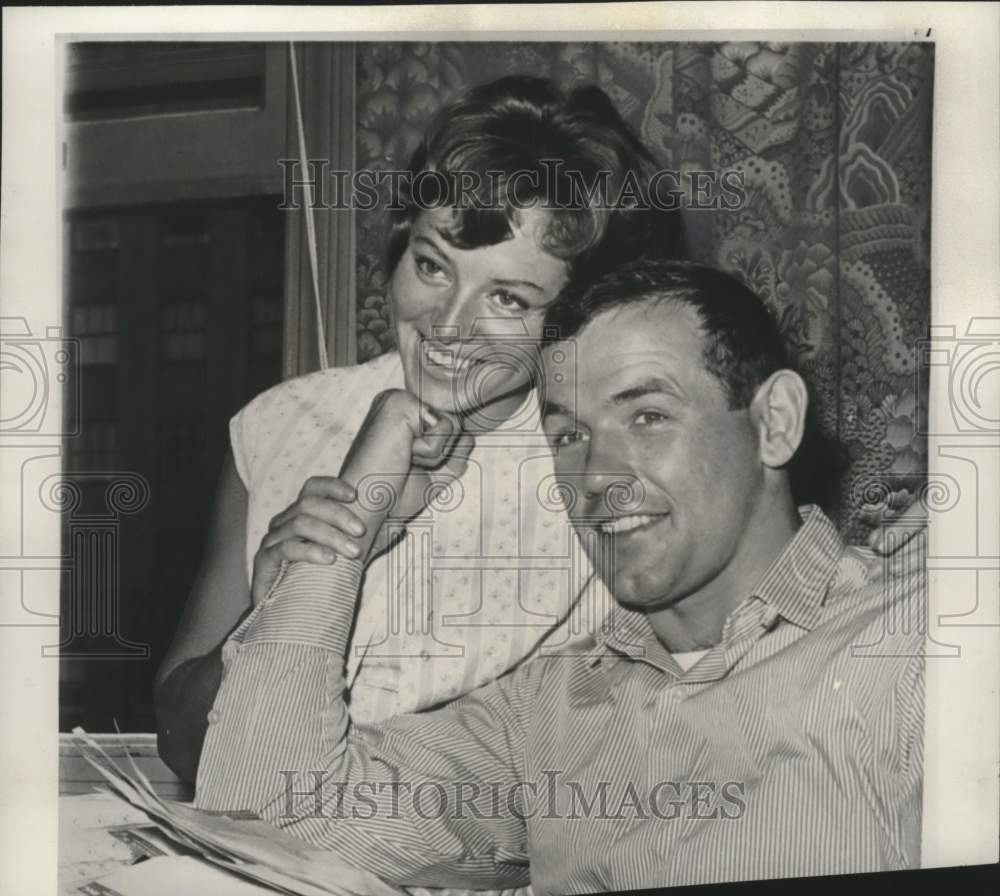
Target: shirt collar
{"points": [[796, 583], [794, 587], [624, 631]]}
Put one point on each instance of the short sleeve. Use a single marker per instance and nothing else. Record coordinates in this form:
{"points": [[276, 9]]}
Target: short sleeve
{"points": [[238, 442]]}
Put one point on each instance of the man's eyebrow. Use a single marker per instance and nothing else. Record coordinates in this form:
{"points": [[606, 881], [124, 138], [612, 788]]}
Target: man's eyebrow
{"points": [[653, 385]]}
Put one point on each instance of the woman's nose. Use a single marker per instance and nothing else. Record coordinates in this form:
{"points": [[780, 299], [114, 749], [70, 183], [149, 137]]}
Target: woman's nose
{"points": [[450, 321]]}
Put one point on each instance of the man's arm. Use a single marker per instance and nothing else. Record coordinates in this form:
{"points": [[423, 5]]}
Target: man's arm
{"points": [[188, 678], [274, 708], [428, 798], [907, 716]]}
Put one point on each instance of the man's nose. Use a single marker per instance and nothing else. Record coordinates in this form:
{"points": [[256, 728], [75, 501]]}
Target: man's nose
{"points": [[610, 486]]}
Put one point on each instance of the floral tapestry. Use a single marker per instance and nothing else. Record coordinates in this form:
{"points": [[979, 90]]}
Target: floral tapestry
{"points": [[833, 143]]}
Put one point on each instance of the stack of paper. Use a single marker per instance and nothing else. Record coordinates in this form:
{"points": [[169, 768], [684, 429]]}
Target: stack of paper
{"points": [[100, 834], [252, 850], [172, 876]]}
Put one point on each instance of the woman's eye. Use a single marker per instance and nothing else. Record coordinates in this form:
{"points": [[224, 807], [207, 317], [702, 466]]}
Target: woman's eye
{"points": [[428, 266], [508, 301]]}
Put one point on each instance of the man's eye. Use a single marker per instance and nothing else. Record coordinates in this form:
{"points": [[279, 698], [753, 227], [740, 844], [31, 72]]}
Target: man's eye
{"points": [[428, 266], [649, 418], [565, 439]]}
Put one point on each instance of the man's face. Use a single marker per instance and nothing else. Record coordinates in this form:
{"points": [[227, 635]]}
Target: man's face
{"points": [[650, 414]]}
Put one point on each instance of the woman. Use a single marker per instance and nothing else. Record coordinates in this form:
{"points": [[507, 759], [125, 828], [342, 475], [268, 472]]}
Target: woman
{"points": [[471, 276]]}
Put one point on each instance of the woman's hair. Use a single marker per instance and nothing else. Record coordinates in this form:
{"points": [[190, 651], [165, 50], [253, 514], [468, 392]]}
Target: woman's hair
{"points": [[520, 141]]}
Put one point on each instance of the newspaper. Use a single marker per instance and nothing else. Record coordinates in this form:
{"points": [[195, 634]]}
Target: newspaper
{"points": [[169, 876], [99, 836], [249, 849]]}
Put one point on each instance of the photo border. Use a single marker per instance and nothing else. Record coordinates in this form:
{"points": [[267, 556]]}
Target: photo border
{"points": [[961, 801]]}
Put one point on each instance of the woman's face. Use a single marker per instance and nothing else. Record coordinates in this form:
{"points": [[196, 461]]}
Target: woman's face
{"points": [[468, 321]]}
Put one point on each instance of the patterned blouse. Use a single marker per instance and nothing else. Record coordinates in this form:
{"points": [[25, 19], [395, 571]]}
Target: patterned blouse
{"points": [[480, 579]]}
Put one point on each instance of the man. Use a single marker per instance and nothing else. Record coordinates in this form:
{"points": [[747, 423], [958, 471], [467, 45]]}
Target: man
{"points": [[751, 708]]}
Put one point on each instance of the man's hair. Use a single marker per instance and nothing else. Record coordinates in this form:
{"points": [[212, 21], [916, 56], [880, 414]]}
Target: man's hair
{"points": [[741, 343], [741, 346], [512, 125]]}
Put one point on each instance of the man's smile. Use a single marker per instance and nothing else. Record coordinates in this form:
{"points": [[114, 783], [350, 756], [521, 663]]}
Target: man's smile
{"points": [[626, 525]]}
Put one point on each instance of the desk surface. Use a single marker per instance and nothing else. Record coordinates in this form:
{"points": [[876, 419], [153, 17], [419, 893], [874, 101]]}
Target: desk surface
{"points": [[76, 775]]}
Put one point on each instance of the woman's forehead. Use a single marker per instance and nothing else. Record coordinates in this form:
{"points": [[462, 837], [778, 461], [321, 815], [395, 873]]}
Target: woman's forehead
{"points": [[521, 249], [446, 221]]}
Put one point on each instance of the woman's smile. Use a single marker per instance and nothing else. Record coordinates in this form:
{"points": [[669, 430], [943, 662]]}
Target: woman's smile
{"points": [[450, 361]]}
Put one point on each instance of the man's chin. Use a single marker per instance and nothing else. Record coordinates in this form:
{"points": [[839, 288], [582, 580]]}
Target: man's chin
{"points": [[636, 592], [628, 595]]}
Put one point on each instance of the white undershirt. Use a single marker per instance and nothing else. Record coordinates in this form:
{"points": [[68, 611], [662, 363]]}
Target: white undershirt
{"points": [[688, 659]]}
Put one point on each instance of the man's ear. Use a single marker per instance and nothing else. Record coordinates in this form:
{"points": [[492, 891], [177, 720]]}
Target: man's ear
{"points": [[778, 410]]}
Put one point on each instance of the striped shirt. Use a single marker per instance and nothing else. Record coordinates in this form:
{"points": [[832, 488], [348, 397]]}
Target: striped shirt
{"points": [[793, 747]]}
